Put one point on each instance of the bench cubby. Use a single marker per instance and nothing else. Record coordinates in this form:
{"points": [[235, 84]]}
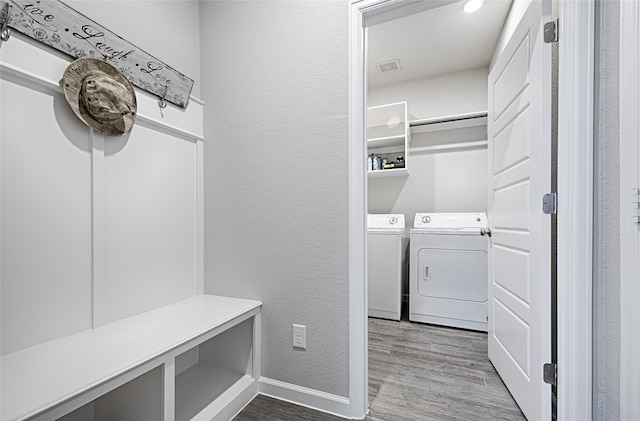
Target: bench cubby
{"points": [[195, 359]]}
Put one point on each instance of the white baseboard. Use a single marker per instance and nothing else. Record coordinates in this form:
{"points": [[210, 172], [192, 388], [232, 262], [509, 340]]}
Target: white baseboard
{"points": [[232, 401], [311, 398]]}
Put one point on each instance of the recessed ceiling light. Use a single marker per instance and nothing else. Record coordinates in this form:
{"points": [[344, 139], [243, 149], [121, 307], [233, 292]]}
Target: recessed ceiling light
{"points": [[470, 6]]}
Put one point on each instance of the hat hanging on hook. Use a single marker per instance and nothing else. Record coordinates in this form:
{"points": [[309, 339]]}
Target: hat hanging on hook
{"points": [[100, 95]]}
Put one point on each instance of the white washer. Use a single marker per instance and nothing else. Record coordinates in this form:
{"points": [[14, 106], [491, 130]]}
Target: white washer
{"points": [[448, 270], [387, 267]]}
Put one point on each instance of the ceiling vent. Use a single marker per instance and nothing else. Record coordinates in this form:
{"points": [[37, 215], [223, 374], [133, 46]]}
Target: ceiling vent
{"points": [[389, 66]]}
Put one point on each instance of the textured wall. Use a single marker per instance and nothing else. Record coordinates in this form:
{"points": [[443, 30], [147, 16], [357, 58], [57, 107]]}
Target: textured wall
{"points": [[447, 181], [454, 93], [453, 180], [606, 282], [275, 84], [168, 29]]}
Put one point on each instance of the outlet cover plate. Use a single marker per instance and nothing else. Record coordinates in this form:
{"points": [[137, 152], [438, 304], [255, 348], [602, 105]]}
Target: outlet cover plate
{"points": [[300, 336]]}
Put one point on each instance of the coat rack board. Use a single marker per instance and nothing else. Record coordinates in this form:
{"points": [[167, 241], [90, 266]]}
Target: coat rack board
{"points": [[59, 26]]}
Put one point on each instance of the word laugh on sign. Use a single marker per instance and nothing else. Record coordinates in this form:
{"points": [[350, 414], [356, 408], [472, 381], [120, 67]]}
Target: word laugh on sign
{"points": [[59, 26]]}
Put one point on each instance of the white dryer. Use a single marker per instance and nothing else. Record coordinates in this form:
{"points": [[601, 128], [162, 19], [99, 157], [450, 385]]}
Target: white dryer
{"points": [[386, 264], [448, 270]]}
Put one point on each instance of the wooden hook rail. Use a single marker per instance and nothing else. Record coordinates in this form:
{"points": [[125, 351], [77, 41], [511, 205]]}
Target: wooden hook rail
{"points": [[59, 26]]}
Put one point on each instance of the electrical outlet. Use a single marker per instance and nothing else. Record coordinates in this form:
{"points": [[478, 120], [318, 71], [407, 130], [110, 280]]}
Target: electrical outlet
{"points": [[300, 336]]}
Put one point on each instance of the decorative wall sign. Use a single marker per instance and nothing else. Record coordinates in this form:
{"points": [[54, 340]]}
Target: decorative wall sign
{"points": [[59, 26]]}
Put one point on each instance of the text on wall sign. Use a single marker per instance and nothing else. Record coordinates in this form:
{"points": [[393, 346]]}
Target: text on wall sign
{"points": [[57, 25]]}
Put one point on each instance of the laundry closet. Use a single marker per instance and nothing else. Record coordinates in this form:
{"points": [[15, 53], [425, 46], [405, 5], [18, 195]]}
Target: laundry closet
{"points": [[480, 196], [427, 102]]}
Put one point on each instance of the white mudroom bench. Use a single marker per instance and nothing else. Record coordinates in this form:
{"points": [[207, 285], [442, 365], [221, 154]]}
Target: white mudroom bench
{"points": [[196, 359]]}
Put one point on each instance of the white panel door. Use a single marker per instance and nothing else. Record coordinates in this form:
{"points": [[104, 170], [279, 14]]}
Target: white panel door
{"points": [[519, 175]]}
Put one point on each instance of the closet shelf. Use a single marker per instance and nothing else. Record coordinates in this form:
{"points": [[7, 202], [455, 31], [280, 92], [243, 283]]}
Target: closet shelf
{"points": [[392, 172], [381, 142], [388, 138], [448, 122]]}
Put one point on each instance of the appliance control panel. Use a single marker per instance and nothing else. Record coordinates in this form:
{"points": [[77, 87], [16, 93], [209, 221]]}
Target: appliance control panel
{"points": [[380, 221], [453, 221]]}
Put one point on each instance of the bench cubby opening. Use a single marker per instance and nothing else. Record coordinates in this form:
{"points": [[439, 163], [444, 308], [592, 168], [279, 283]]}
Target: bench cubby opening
{"points": [[208, 370], [140, 399]]}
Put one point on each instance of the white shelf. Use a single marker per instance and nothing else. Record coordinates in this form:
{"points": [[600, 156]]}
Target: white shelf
{"points": [[448, 122], [382, 142], [216, 366], [388, 136], [200, 386], [387, 120], [392, 172], [96, 361]]}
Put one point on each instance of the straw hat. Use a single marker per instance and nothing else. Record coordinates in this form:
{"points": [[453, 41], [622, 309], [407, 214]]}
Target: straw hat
{"points": [[100, 95]]}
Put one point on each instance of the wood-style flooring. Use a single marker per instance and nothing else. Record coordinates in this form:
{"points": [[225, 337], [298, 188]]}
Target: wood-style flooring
{"points": [[417, 372]]}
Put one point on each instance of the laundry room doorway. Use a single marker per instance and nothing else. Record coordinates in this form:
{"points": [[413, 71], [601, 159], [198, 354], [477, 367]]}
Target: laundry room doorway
{"points": [[575, 186], [439, 63], [436, 92]]}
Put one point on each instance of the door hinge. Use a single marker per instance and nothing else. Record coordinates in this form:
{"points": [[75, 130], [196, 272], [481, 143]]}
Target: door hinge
{"points": [[550, 374], [635, 204], [551, 31], [550, 203]]}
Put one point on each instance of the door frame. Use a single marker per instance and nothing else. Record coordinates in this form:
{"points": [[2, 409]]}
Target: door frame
{"points": [[629, 231], [575, 181], [575, 208]]}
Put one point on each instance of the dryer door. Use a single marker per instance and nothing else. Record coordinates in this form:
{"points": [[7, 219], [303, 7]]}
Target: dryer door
{"points": [[452, 274]]}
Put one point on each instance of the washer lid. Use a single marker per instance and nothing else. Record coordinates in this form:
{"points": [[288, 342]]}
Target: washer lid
{"points": [[392, 221], [450, 221]]}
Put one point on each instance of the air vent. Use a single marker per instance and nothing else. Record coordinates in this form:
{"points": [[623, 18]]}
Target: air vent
{"points": [[389, 66]]}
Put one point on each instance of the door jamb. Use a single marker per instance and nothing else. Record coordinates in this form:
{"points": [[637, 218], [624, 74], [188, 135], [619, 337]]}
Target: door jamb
{"points": [[629, 230], [358, 329], [575, 208], [359, 11]]}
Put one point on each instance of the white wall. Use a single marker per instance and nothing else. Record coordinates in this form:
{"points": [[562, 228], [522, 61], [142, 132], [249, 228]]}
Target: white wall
{"points": [[169, 30], [451, 180], [46, 215], [276, 176], [94, 228], [454, 93]]}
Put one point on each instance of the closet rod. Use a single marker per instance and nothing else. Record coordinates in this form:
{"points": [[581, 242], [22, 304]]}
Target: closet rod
{"points": [[447, 147], [447, 119]]}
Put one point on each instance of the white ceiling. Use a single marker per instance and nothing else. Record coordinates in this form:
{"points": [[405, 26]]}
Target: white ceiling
{"points": [[438, 41]]}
